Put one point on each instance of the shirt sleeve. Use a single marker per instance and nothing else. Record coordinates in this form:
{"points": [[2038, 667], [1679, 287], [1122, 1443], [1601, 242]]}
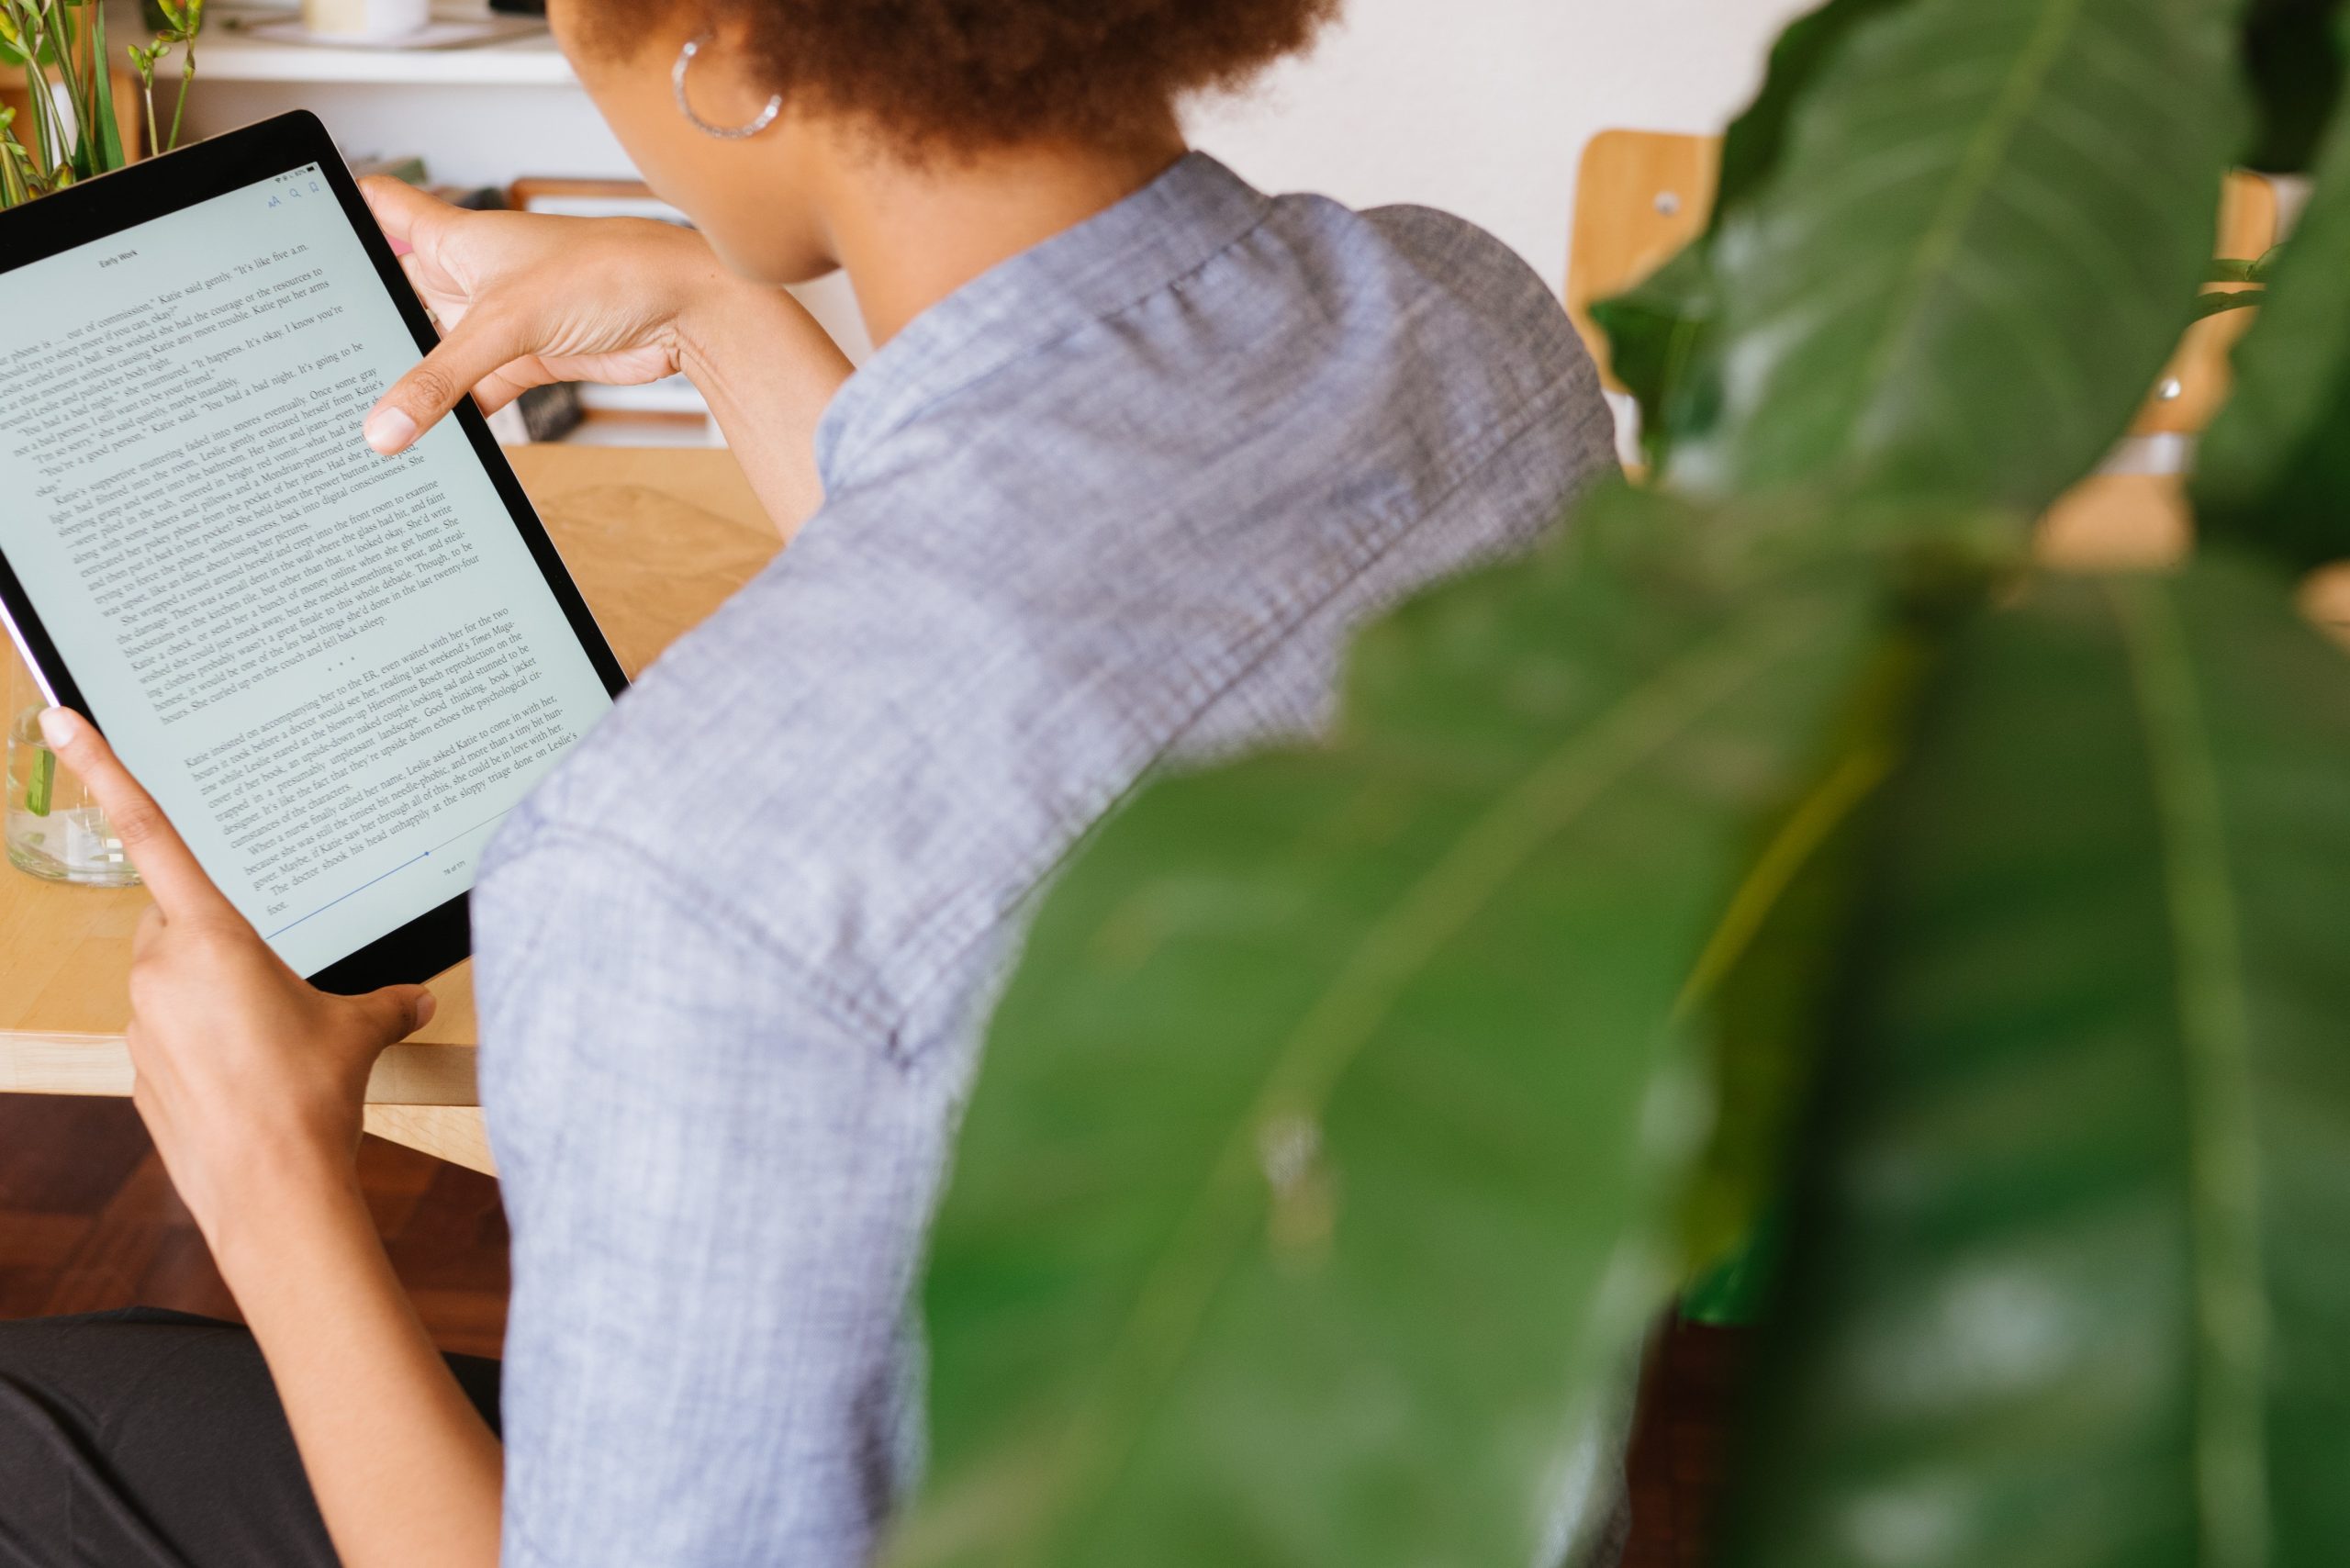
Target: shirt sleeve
{"points": [[718, 1189]]}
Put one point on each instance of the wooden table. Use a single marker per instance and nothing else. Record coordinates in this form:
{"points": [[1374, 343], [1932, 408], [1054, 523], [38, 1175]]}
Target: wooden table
{"points": [[657, 538]]}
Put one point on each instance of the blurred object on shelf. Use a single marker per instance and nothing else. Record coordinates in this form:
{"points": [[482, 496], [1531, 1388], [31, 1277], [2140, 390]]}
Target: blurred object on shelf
{"points": [[421, 28], [592, 198], [254, 42], [366, 20], [519, 7], [549, 413]]}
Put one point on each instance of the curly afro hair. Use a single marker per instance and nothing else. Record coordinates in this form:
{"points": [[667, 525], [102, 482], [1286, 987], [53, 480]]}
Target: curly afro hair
{"points": [[976, 73]]}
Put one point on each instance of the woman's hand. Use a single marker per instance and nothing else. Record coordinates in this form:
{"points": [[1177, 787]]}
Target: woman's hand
{"points": [[248, 1078], [524, 300]]}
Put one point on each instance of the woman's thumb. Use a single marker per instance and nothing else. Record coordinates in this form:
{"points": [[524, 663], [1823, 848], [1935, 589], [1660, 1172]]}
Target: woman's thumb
{"points": [[402, 211], [399, 1011]]}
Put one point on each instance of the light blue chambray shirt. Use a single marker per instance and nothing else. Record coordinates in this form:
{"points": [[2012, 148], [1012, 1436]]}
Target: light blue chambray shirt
{"points": [[1113, 506]]}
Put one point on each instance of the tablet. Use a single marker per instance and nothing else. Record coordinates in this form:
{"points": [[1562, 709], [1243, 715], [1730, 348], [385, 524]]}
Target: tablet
{"points": [[336, 672]]}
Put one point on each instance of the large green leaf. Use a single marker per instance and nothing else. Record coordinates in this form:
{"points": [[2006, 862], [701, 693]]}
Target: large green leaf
{"points": [[2066, 1286], [2274, 471], [1751, 150], [1319, 1179], [2294, 52], [1659, 341], [1660, 332], [1978, 242]]}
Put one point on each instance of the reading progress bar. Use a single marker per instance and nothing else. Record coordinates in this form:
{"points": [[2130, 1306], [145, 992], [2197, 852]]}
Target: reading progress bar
{"points": [[372, 880], [352, 894]]}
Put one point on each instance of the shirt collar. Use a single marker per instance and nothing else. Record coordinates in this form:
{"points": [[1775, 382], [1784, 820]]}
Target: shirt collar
{"points": [[1122, 254]]}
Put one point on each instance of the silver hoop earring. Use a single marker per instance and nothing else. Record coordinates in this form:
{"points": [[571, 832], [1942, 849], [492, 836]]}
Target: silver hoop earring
{"points": [[685, 57]]}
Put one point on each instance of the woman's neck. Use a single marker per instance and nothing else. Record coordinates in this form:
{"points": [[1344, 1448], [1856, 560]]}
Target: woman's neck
{"points": [[908, 235]]}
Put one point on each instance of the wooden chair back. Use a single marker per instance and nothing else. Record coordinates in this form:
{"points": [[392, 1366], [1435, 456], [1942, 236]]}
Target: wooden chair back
{"points": [[1641, 196]]}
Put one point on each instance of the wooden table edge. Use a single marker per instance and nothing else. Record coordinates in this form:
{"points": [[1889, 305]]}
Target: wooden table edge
{"points": [[427, 1097]]}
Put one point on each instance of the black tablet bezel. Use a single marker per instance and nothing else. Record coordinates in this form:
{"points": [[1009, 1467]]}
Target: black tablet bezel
{"points": [[83, 214]]}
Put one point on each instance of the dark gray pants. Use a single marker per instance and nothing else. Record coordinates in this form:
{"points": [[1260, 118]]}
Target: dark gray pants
{"points": [[153, 1440]]}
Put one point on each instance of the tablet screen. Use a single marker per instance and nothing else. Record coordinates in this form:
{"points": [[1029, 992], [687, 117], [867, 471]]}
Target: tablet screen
{"points": [[336, 672]]}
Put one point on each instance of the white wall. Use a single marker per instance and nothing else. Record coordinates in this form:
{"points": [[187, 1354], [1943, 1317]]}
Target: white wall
{"points": [[1483, 107], [470, 136], [1479, 106]]}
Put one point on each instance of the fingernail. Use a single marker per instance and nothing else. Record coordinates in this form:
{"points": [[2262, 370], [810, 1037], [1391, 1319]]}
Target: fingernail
{"points": [[426, 1006], [61, 727], [389, 430]]}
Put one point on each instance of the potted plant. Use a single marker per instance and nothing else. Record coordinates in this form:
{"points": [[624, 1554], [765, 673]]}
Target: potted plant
{"points": [[64, 129], [1784, 836]]}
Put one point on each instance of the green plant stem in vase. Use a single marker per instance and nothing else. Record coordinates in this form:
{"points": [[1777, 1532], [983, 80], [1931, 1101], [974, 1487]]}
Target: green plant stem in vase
{"points": [[42, 787], [54, 831]]}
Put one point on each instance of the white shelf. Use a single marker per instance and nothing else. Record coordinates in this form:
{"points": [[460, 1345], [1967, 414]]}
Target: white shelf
{"points": [[526, 62], [227, 54]]}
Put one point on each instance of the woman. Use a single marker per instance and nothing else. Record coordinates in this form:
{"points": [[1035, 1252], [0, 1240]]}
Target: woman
{"points": [[1139, 448]]}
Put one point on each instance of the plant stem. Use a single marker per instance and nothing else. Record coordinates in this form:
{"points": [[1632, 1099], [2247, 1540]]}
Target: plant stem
{"points": [[105, 125], [42, 788], [179, 110], [56, 149], [81, 154], [36, 92], [87, 48]]}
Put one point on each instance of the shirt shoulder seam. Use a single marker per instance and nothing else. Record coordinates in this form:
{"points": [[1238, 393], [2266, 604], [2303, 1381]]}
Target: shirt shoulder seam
{"points": [[1046, 344]]}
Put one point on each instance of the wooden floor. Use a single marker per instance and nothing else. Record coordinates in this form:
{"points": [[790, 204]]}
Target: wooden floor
{"points": [[1680, 1443], [88, 1221]]}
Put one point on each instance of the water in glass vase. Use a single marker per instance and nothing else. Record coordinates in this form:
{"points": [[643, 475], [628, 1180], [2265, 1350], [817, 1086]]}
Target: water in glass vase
{"points": [[54, 831]]}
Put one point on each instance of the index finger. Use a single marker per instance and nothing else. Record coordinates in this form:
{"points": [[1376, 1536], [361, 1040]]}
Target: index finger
{"points": [[165, 863]]}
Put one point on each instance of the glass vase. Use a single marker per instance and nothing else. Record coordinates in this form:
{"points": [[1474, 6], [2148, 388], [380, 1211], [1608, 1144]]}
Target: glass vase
{"points": [[54, 830]]}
